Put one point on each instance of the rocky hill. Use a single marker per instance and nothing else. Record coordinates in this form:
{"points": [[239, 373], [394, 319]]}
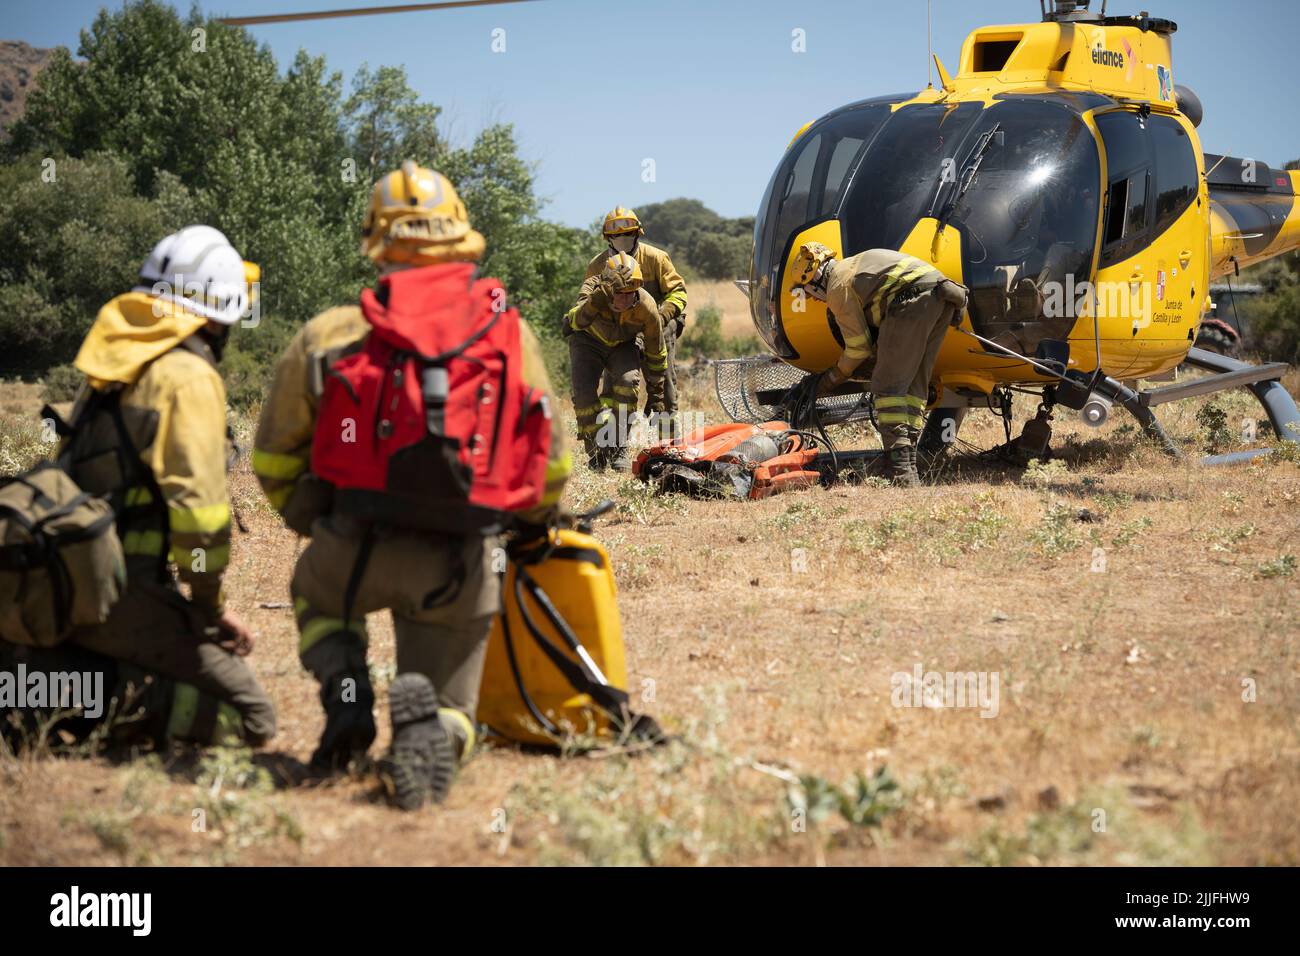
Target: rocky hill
{"points": [[19, 64]]}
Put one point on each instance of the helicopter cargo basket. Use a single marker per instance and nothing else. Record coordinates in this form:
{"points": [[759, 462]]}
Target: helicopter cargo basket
{"points": [[749, 390]]}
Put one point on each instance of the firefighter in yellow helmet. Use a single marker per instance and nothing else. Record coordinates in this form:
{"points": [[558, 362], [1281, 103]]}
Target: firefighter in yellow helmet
{"points": [[615, 329], [623, 232], [148, 432], [895, 308], [441, 587]]}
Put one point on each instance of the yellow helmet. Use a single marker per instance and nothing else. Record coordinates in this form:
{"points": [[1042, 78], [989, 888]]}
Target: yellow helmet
{"points": [[415, 217], [622, 273], [812, 256], [620, 221]]}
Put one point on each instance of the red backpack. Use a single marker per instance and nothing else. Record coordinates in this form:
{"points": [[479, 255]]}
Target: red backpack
{"points": [[430, 424]]}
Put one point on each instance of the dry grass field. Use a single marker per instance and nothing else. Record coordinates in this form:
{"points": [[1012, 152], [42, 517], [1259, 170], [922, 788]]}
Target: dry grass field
{"points": [[1147, 708]]}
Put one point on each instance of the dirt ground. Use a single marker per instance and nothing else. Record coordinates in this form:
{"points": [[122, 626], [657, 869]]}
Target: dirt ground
{"points": [[1138, 614]]}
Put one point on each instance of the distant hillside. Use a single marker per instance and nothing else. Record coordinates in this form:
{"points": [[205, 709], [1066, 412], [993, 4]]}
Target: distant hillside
{"points": [[707, 245], [19, 64]]}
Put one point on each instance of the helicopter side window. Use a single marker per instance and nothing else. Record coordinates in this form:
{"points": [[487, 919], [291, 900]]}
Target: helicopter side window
{"points": [[1126, 216], [837, 169], [1177, 178], [807, 187], [793, 201], [1128, 202]]}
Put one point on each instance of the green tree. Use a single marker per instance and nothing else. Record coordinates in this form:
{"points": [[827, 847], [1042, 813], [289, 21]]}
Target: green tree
{"points": [[701, 241], [261, 153], [387, 123], [167, 120], [69, 245], [720, 256]]}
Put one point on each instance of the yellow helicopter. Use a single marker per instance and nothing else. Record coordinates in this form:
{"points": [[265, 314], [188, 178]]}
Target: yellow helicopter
{"points": [[1060, 177]]}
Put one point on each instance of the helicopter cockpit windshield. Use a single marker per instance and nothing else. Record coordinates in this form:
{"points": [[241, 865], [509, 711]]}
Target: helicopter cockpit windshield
{"points": [[1018, 180], [1025, 201]]}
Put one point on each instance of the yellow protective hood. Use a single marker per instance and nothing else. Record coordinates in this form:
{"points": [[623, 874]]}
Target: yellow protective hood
{"points": [[130, 332]]}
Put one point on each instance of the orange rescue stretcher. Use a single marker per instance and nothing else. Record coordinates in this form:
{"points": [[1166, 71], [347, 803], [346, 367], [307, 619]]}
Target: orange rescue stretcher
{"points": [[736, 459]]}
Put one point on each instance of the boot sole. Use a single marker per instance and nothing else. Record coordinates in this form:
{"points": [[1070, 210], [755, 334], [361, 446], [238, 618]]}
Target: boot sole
{"points": [[416, 772]]}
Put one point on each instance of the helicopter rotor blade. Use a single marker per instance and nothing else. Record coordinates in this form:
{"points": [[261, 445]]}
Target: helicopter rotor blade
{"points": [[359, 12]]}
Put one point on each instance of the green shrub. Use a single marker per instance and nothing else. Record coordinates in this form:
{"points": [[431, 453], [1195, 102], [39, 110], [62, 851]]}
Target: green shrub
{"points": [[704, 337], [61, 383]]}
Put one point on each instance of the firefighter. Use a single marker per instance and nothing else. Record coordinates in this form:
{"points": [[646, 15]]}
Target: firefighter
{"points": [[442, 588], [149, 431], [898, 308], [615, 329], [623, 232]]}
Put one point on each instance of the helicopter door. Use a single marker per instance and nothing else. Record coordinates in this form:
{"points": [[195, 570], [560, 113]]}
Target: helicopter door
{"points": [[1124, 268], [1180, 244]]}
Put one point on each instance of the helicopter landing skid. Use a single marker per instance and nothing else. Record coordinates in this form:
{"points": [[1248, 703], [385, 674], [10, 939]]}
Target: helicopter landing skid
{"points": [[1263, 381], [750, 390]]}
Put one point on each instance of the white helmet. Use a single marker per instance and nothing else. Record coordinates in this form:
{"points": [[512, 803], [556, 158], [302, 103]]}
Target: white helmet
{"points": [[199, 269]]}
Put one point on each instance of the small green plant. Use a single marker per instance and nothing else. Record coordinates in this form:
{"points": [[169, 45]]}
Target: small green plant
{"points": [[1282, 567], [641, 503], [1226, 539], [1130, 531], [878, 536], [1215, 434], [798, 514], [865, 801], [1055, 534], [1044, 474], [235, 798]]}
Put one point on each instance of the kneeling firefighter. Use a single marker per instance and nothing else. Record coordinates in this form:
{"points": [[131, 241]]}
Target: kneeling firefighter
{"points": [[401, 435], [147, 434], [898, 308], [613, 323]]}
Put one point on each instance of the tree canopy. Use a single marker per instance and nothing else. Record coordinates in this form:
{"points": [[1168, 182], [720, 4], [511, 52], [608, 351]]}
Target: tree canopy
{"points": [[164, 120]]}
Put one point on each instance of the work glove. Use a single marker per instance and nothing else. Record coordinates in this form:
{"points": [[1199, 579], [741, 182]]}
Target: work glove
{"points": [[956, 296], [801, 399], [673, 325]]}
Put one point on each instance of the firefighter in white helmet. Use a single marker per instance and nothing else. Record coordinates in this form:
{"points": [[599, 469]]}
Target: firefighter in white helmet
{"points": [[148, 431]]}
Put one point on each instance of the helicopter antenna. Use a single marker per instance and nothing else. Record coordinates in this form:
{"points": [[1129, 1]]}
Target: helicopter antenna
{"points": [[358, 12], [929, 43]]}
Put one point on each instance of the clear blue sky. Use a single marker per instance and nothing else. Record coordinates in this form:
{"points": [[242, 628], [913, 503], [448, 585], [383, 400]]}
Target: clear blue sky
{"points": [[710, 89]]}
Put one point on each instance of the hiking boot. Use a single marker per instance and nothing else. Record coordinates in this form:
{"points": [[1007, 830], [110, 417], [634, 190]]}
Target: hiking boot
{"points": [[349, 721], [620, 461], [900, 466], [421, 762]]}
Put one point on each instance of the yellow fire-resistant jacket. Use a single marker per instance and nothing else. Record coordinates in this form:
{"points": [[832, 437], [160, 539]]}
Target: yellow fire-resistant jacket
{"points": [[859, 292], [282, 448], [594, 315], [661, 279], [174, 403]]}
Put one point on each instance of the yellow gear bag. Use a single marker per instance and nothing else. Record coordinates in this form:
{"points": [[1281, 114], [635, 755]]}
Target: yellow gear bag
{"points": [[554, 664]]}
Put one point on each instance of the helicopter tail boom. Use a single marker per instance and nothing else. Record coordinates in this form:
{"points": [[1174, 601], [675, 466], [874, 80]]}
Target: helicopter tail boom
{"points": [[1254, 212]]}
